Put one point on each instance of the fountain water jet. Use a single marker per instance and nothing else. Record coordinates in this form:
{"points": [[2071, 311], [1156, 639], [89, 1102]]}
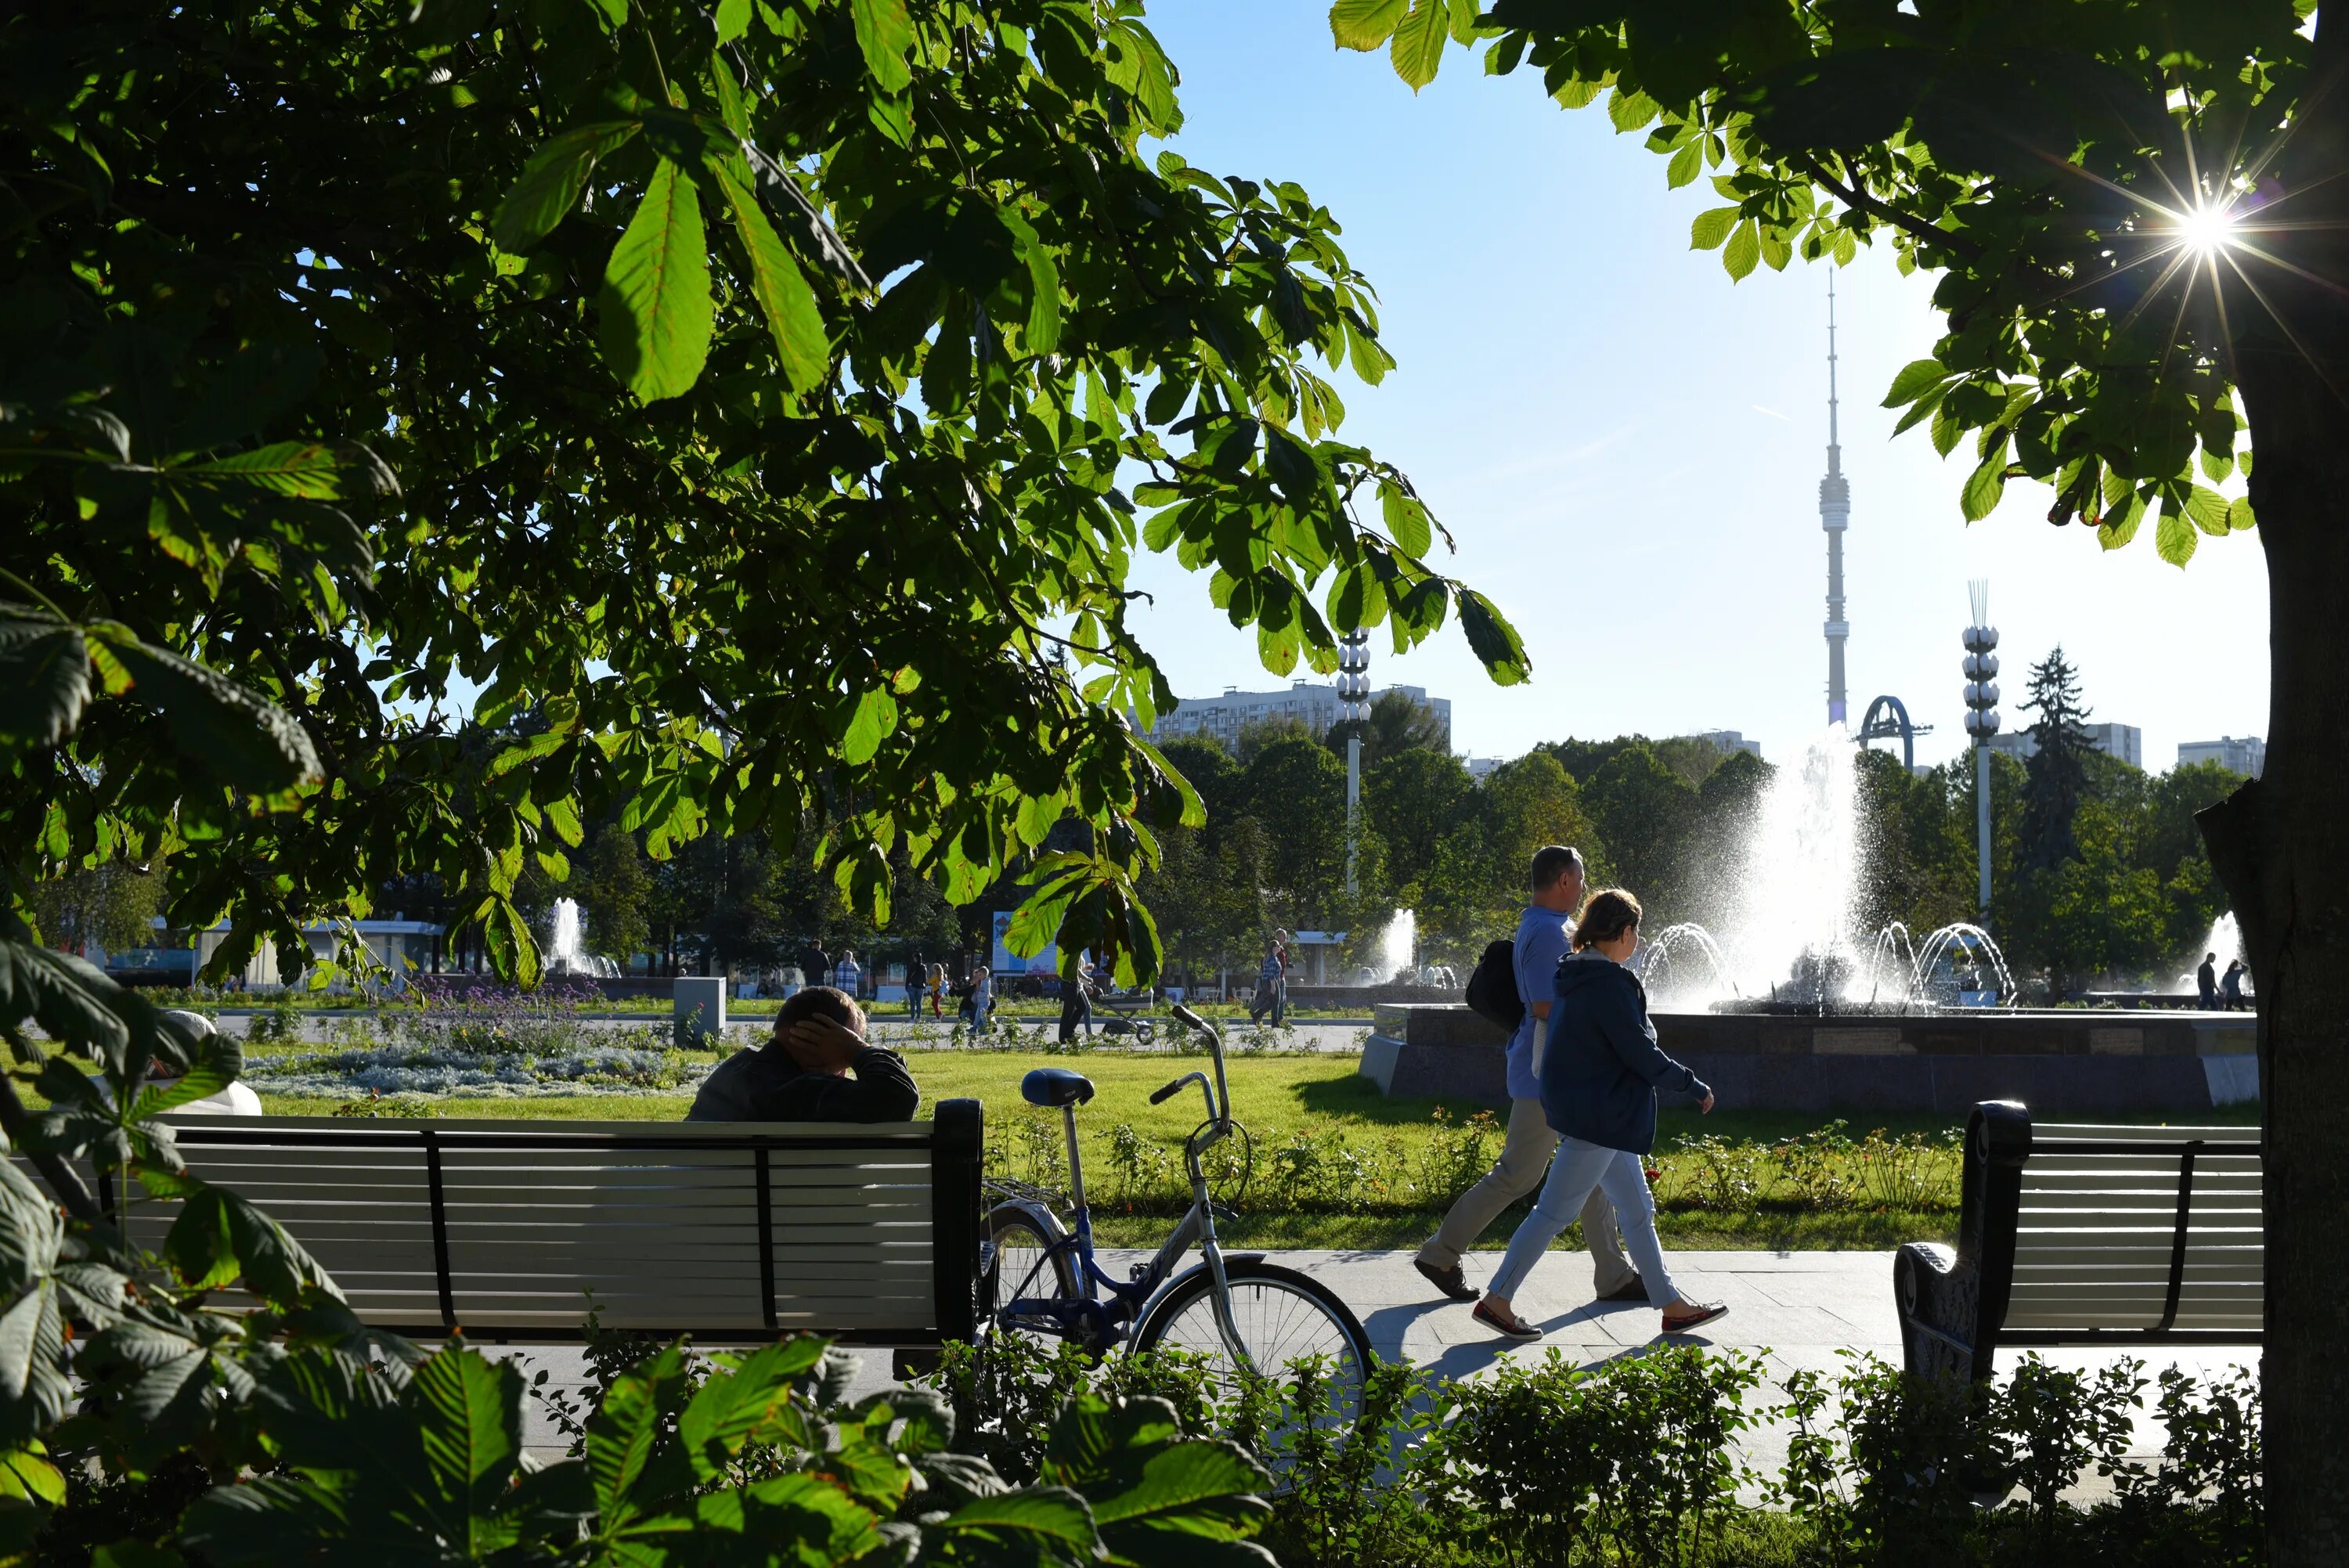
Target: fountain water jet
{"points": [[1399, 947], [566, 955], [1658, 958], [2224, 938], [1788, 935]]}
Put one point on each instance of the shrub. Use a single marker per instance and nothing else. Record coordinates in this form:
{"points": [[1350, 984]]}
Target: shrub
{"points": [[1814, 1169], [1542, 1462], [279, 1022], [411, 1106], [1141, 1170], [1719, 1173], [1041, 1145], [1907, 1172], [2057, 1422], [1456, 1156]]}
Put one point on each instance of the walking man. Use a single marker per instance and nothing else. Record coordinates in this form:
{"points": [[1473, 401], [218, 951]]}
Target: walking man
{"points": [[1271, 983], [915, 972], [1076, 998], [2206, 981], [1543, 935]]}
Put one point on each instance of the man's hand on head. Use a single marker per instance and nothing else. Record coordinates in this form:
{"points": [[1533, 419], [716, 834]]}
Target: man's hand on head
{"points": [[822, 1046]]}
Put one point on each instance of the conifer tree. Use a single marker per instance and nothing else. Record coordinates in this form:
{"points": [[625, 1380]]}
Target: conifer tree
{"points": [[2057, 772]]}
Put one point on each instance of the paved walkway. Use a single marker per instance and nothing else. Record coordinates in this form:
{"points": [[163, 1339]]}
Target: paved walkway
{"points": [[1794, 1311]]}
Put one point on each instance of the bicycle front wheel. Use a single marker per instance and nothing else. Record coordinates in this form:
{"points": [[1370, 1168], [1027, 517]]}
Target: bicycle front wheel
{"points": [[1279, 1317]]}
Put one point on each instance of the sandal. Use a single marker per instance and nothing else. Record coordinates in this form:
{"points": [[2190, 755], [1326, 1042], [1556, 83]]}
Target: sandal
{"points": [[1516, 1327]]}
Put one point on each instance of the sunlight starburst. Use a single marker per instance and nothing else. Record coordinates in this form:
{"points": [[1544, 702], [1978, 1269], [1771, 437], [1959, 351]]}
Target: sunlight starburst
{"points": [[2206, 228]]}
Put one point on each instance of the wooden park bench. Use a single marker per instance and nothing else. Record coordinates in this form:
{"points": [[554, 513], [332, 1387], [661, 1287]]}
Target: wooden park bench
{"points": [[2087, 1235], [730, 1231]]}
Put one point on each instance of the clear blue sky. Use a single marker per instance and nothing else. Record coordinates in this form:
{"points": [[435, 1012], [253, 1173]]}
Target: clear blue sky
{"points": [[1627, 446]]}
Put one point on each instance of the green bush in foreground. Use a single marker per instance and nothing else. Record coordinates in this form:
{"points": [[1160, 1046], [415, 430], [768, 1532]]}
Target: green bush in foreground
{"points": [[1545, 1463], [321, 1457]]}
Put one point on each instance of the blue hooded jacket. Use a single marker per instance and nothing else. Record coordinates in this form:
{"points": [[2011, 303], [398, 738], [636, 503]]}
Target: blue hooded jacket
{"points": [[1601, 1068]]}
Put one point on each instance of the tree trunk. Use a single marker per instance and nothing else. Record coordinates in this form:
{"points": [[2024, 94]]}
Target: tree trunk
{"points": [[2281, 843]]}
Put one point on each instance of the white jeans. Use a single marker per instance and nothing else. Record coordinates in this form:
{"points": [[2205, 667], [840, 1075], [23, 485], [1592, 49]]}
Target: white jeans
{"points": [[1574, 1171]]}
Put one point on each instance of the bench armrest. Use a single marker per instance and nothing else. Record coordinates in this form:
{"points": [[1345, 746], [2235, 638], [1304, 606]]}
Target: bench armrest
{"points": [[1939, 1298]]}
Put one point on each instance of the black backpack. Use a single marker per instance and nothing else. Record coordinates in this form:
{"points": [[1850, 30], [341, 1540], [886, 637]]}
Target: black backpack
{"points": [[1492, 988]]}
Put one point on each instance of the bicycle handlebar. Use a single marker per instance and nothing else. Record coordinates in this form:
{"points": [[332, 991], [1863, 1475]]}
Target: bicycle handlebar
{"points": [[1219, 1108], [1169, 1092]]}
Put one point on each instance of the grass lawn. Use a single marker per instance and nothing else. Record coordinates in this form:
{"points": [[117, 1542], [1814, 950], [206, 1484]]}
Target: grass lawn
{"points": [[1336, 1164]]}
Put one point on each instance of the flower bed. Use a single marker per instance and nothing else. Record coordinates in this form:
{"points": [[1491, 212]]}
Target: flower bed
{"points": [[495, 1047], [452, 1070]]}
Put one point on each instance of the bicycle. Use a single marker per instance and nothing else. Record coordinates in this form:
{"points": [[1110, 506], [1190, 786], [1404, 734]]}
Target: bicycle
{"points": [[1238, 1312]]}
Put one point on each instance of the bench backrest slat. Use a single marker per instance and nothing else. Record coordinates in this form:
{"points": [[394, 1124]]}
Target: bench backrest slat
{"points": [[738, 1230], [2089, 1228]]}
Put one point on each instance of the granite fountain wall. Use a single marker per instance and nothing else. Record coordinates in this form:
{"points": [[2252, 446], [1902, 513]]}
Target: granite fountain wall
{"points": [[2071, 1062]]}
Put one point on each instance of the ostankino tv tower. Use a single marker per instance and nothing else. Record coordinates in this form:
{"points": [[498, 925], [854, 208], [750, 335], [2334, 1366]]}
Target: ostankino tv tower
{"points": [[1834, 516]]}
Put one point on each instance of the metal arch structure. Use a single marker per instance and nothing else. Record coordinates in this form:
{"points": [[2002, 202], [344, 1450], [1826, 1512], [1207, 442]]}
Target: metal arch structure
{"points": [[1887, 719]]}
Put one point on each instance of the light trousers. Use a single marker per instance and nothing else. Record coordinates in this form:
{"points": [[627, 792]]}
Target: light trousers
{"points": [[1524, 1154], [1579, 1169]]}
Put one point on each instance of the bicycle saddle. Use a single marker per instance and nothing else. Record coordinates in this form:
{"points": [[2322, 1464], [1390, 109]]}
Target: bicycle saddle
{"points": [[1056, 1086]]}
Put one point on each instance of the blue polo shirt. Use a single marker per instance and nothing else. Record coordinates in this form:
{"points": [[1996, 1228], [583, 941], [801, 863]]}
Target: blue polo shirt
{"points": [[1543, 935]]}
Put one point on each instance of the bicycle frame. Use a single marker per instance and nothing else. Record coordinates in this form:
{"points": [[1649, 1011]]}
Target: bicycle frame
{"points": [[1107, 1323]]}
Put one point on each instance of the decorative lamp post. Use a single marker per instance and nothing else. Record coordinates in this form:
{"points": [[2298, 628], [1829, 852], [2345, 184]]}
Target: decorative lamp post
{"points": [[1982, 722], [1353, 709]]}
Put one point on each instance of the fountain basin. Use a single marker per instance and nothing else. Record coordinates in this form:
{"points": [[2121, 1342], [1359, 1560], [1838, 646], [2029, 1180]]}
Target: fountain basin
{"points": [[2070, 1060]]}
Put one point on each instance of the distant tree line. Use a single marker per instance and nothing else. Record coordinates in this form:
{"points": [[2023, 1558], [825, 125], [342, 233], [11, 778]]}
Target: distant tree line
{"points": [[2099, 874]]}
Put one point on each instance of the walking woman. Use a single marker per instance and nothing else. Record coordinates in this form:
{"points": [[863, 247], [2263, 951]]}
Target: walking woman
{"points": [[982, 997], [1599, 1073]]}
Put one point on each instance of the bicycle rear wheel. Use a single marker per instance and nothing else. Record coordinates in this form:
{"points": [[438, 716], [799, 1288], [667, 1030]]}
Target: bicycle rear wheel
{"points": [[1024, 1266], [1281, 1316]]}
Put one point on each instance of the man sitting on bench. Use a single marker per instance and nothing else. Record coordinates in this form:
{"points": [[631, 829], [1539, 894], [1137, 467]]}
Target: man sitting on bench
{"points": [[802, 1074]]}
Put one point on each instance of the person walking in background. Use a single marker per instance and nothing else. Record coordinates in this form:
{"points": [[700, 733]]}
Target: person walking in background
{"points": [[1076, 998], [2231, 988], [916, 971], [1599, 1073], [982, 997], [938, 990], [2206, 980], [1271, 983], [846, 974], [1544, 932]]}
